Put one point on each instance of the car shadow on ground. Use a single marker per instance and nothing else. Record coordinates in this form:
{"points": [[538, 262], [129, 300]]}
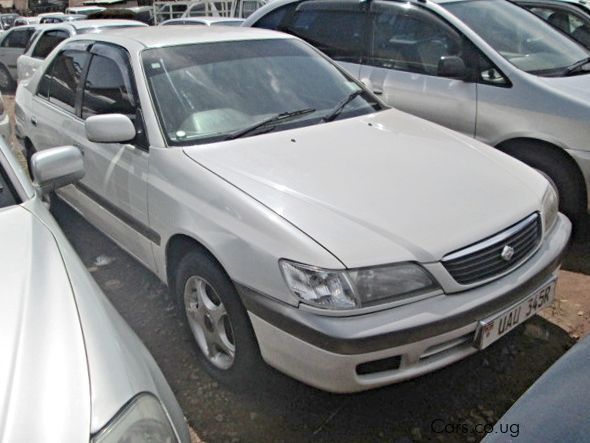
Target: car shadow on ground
{"points": [[476, 390]]}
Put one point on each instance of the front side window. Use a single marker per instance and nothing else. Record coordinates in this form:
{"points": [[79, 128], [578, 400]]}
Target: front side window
{"points": [[522, 38], [17, 38], [337, 33], [211, 91], [47, 42], [273, 19], [60, 82], [107, 89], [409, 38]]}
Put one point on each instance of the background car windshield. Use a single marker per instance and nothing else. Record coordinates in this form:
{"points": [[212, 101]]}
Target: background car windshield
{"points": [[204, 92], [522, 38]]}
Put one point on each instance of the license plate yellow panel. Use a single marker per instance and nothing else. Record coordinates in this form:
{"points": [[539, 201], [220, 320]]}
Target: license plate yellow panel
{"points": [[490, 330]]}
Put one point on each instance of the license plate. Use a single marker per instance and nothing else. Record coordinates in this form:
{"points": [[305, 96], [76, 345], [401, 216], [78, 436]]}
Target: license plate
{"points": [[490, 330]]}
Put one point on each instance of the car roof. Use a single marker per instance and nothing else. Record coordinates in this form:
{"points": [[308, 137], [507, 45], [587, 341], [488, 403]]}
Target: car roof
{"points": [[161, 36], [98, 23], [204, 19], [77, 25]]}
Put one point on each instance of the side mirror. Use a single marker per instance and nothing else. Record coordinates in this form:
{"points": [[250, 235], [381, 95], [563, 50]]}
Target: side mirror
{"points": [[57, 167], [109, 128], [452, 66]]}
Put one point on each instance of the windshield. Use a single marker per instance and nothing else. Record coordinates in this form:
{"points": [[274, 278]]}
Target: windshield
{"points": [[211, 91], [521, 37]]}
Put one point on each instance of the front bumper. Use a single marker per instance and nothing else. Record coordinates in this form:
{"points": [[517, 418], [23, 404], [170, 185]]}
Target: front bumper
{"points": [[326, 351]]}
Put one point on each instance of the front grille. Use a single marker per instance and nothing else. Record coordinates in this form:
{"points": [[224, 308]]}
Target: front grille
{"points": [[484, 260]]}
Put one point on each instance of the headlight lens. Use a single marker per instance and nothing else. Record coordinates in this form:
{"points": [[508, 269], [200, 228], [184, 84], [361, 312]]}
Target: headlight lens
{"points": [[143, 420], [348, 289], [550, 208]]}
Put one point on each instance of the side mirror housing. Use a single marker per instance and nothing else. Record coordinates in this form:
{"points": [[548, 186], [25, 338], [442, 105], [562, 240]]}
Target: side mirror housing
{"points": [[109, 128], [57, 167], [452, 66]]}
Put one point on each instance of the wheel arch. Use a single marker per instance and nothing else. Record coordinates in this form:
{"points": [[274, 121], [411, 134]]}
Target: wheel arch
{"points": [[177, 247], [519, 147]]}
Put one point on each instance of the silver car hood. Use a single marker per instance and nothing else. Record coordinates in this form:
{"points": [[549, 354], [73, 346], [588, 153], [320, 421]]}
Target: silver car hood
{"points": [[119, 365], [380, 188], [44, 389]]}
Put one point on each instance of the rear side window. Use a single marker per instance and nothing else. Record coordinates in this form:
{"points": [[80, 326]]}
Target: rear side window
{"points": [[61, 80], [107, 89], [17, 38], [339, 34], [47, 42]]}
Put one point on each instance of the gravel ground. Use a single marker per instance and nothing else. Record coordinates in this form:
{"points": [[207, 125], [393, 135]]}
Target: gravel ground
{"points": [[476, 390]]}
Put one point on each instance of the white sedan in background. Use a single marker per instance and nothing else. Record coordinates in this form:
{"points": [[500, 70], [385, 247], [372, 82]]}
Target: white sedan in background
{"points": [[71, 369], [49, 36], [296, 218]]}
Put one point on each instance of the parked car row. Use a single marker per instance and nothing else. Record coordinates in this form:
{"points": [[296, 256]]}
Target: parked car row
{"points": [[297, 219]]}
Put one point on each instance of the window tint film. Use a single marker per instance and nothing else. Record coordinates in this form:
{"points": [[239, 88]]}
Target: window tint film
{"points": [[62, 79], [107, 89], [47, 42], [339, 34], [408, 38]]}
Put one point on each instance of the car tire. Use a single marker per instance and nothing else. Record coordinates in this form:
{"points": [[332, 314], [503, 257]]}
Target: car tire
{"points": [[224, 338], [561, 174], [7, 83]]}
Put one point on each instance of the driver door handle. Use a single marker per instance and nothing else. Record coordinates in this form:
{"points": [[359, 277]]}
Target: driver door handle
{"points": [[34, 121]]}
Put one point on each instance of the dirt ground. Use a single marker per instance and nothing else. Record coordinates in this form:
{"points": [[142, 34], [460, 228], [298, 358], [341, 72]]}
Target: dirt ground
{"points": [[476, 390]]}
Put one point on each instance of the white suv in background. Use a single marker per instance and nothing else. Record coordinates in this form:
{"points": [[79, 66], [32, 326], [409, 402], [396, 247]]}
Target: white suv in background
{"points": [[486, 68]]}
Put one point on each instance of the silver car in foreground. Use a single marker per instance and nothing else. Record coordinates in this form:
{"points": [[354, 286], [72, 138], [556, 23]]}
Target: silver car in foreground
{"points": [[71, 369], [295, 217]]}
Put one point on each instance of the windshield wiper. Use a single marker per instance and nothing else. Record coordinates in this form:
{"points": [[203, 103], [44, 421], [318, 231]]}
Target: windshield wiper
{"points": [[577, 66], [271, 121], [340, 106]]}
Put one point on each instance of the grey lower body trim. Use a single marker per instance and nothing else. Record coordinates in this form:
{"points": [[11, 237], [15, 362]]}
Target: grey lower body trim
{"points": [[136, 225]]}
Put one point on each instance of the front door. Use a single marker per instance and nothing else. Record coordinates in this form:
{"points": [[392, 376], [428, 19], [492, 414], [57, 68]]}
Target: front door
{"points": [[406, 45], [116, 173]]}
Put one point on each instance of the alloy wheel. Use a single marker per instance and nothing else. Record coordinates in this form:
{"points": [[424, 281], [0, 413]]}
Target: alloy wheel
{"points": [[209, 322]]}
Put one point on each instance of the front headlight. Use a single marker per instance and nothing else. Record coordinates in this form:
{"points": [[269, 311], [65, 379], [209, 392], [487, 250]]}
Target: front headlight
{"points": [[549, 208], [356, 288], [142, 420]]}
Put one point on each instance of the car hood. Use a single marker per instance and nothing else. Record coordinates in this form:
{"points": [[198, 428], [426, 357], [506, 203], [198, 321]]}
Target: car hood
{"points": [[44, 389], [380, 188]]}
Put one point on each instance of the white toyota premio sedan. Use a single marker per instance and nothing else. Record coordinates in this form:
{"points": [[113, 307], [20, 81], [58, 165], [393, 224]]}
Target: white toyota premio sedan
{"points": [[298, 220]]}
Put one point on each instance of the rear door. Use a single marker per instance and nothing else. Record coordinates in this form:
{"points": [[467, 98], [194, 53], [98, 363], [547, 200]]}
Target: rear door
{"points": [[406, 45], [55, 101]]}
